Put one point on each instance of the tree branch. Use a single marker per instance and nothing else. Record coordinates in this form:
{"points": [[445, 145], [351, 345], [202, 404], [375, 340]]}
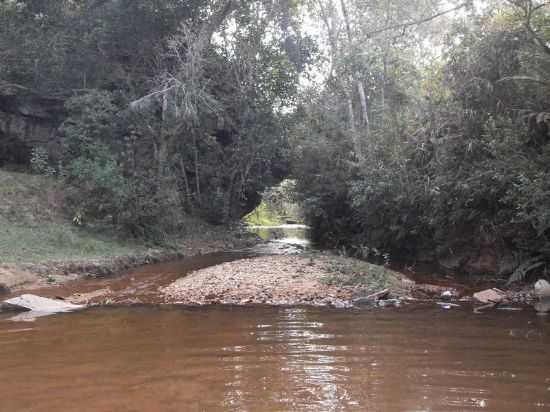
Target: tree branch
{"points": [[215, 21], [523, 78], [528, 10], [416, 22]]}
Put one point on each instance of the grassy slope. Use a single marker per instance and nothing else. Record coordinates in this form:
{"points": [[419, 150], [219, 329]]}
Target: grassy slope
{"points": [[34, 229]]}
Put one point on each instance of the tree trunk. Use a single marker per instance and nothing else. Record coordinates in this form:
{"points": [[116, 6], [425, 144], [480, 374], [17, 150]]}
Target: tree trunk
{"points": [[186, 183], [197, 170], [228, 198], [354, 136], [364, 112], [360, 89]]}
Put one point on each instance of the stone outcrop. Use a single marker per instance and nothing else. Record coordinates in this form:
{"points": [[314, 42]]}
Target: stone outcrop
{"points": [[27, 119], [35, 307]]}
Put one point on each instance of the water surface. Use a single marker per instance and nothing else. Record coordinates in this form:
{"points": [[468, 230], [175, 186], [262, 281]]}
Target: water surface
{"points": [[150, 358]]}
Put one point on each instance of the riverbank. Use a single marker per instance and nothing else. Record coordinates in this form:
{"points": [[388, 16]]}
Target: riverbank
{"points": [[40, 247], [18, 277]]}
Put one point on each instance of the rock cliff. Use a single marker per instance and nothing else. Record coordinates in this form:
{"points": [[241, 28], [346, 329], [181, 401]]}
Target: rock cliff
{"points": [[27, 119]]}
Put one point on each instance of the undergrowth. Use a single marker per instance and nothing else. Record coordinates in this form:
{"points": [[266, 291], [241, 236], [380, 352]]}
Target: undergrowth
{"points": [[344, 271]]}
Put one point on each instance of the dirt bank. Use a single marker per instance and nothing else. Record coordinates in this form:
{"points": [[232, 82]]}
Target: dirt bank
{"points": [[317, 279], [18, 277]]}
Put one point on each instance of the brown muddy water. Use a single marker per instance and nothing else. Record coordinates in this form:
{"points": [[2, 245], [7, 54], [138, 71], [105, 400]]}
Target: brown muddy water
{"points": [[154, 359]]}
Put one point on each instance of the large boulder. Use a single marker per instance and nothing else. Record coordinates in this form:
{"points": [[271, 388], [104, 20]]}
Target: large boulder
{"points": [[39, 304]]}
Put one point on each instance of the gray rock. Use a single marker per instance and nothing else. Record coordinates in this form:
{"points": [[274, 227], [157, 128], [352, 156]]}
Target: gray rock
{"points": [[27, 119], [371, 299], [447, 295], [542, 289], [40, 304], [490, 296]]}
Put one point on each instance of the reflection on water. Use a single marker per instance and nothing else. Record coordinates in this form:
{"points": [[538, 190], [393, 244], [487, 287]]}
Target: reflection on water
{"points": [[276, 359]]}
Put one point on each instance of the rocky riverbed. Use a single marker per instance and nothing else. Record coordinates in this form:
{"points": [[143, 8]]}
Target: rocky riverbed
{"points": [[311, 279]]}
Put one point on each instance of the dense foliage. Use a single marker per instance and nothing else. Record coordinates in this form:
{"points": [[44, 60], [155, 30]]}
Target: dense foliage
{"points": [[453, 163], [173, 107]]}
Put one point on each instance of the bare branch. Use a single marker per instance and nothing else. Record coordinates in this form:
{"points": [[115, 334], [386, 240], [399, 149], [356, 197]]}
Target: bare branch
{"points": [[147, 100], [540, 6], [524, 78]]}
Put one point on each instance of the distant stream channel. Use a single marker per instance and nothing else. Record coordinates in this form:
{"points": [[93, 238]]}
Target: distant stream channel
{"points": [[155, 358]]}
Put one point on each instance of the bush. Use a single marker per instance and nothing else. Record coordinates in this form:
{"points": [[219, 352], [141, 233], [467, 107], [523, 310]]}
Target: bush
{"points": [[102, 185]]}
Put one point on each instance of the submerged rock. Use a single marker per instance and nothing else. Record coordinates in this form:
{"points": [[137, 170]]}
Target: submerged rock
{"points": [[543, 306], [29, 316]]}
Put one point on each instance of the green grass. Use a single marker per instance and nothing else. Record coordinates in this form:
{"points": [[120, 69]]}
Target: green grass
{"points": [[262, 216], [57, 241], [34, 227], [29, 199]]}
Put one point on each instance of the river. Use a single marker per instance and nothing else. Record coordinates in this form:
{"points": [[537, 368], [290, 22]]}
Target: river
{"points": [[157, 358]]}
